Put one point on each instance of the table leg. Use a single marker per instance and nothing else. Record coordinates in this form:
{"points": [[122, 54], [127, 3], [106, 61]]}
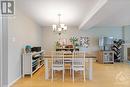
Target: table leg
{"points": [[46, 69], [90, 67]]}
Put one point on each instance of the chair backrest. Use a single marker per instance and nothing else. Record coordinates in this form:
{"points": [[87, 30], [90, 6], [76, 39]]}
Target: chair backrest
{"points": [[78, 58], [48, 55], [57, 58]]}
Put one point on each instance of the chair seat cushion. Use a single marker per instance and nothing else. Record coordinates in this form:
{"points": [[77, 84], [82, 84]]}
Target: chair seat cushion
{"points": [[58, 68], [78, 68]]}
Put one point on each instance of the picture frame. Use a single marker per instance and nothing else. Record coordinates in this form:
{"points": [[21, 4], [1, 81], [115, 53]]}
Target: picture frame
{"points": [[84, 42]]}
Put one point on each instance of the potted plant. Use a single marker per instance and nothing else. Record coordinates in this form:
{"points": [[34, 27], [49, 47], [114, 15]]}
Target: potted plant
{"points": [[74, 41]]}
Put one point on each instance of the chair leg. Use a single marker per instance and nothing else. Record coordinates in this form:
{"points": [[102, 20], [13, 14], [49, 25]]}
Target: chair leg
{"points": [[70, 70], [63, 74], [84, 76], [52, 75], [73, 74]]}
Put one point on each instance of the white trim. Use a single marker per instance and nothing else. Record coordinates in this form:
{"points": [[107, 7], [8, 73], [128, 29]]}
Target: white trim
{"points": [[10, 84], [98, 6], [1, 52]]}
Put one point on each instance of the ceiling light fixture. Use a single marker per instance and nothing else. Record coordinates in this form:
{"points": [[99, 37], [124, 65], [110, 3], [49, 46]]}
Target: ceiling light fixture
{"points": [[60, 27]]}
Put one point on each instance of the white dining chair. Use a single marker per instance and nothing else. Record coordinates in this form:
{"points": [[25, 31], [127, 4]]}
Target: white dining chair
{"points": [[58, 63], [78, 63], [68, 61]]}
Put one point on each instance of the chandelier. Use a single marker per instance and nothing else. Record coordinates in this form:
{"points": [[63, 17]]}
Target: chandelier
{"points": [[59, 28]]}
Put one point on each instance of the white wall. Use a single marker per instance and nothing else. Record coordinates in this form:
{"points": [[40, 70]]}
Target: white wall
{"points": [[50, 38], [21, 31], [127, 33], [97, 32]]}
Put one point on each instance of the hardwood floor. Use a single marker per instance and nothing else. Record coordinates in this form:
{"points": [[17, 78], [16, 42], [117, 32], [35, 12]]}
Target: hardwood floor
{"points": [[104, 75]]}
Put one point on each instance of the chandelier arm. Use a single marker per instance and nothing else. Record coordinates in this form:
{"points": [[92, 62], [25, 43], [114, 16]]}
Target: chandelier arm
{"points": [[59, 19]]}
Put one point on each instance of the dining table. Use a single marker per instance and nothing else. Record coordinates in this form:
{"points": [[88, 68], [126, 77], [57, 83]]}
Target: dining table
{"points": [[68, 56]]}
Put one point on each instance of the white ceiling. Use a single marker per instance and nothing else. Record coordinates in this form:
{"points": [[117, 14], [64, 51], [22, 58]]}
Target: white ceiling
{"points": [[82, 13], [119, 13], [115, 13], [44, 12]]}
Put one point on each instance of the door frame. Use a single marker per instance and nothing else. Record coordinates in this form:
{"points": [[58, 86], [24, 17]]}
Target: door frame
{"points": [[0, 51]]}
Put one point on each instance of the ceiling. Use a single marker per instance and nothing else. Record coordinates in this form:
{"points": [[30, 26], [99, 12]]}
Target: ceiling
{"points": [[44, 12], [82, 13], [115, 13]]}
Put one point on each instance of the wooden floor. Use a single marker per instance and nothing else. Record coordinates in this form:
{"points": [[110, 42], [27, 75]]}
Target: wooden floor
{"points": [[104, 75]]}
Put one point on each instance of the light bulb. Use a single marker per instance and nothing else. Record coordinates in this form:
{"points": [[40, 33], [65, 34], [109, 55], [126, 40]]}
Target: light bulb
{"points": [[59, 29], [54, 27], [65, 28], [62, 25]]}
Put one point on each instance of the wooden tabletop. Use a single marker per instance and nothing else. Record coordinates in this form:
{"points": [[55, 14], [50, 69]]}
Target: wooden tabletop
{"points": [[87, 55]]}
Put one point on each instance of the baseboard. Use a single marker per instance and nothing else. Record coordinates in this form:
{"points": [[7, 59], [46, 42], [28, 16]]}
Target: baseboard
{"points": [[10, 84]]}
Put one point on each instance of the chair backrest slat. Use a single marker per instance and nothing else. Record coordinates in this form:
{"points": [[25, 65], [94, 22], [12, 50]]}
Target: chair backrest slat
{"points": [[78, 58], [58, 58]]}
